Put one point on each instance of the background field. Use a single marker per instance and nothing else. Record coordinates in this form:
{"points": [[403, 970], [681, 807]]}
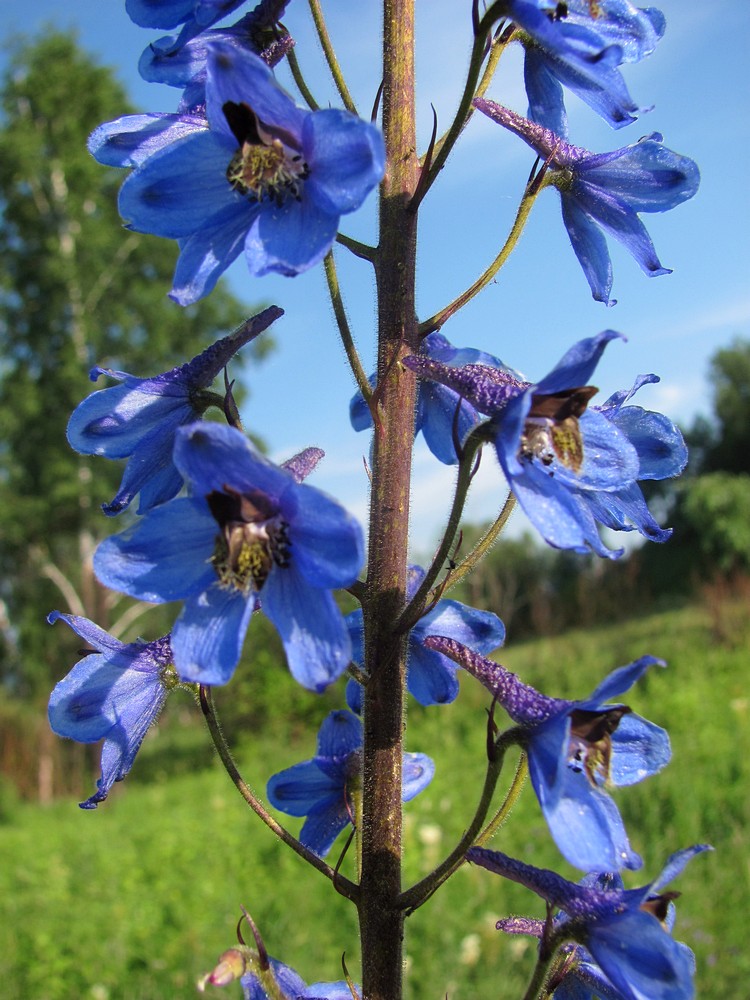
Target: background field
{"points": [[135, 900]]}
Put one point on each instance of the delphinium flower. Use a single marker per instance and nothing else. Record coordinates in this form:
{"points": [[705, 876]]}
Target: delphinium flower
{"points": [[576, 749], [436, 415], [138, 419], [115, 693], [570, 465], [625, 931], [605, 192], [180, 60], [581, 46], [431, 676], [194, 15], [257, 174], [324, 789], [249, 535]]}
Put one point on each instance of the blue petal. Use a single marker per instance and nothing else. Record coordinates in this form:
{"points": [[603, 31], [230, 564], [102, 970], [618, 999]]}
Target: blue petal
{"points": [[181, 188], [590, 247], [290, 983], [164, 556], [328, 543], [298, 789], [207, 637], [543, 89], [562, 518], [432, 676], [241, 77], [346, 158], [641, 958], [112, 421], [647, 176], [626, 510], [159, 13], [340, 735], [213, 456], [439, 405], [618, 682], [290, 238], [311, 627], [418, 772], [675, 865], [609, 459], [622, 222], [129, 141], [577, 366], [639, 749], [208, 252], [661, 449], [324, 823], [481, 630]]}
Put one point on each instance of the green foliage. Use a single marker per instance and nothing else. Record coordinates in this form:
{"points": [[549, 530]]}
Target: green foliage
{"points": [[716, 508], [76, 289], [138, 898], [729, 376]]}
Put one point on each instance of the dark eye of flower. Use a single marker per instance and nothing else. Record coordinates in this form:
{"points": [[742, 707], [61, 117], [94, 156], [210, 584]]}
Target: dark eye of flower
{"points": [[253, 538], [267, 165], [590, 746], [552, 430], [658, 906]]}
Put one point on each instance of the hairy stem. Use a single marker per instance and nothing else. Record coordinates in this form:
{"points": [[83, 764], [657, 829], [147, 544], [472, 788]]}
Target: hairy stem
{"points": [[524, 209], [333, 65], [381, 917], [342, 322]]}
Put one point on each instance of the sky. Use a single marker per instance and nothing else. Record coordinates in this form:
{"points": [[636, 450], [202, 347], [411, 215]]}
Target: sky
{"points": [[698, 89]]}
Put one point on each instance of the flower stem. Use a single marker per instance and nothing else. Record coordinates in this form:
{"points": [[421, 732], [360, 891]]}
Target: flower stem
{"points": [[511, 797], [482, 547], [421, 891], [448, 141], [439, 318], [381, 917], [413, 611], [342, 885], [333, 65], [343, 324], [299, 79]]}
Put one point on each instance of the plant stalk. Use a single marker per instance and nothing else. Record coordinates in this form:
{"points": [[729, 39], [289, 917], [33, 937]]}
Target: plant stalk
{"points": [[381, 918]]}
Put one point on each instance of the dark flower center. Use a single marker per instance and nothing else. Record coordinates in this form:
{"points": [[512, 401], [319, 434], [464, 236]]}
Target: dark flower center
{"points": [[590, 746], [658, 906], [253, 538], [552, 430], [268, 164]]}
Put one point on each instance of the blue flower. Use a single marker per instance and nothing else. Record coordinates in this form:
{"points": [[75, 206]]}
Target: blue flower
{"points": [[625, 931], [576, 749], [431, 676], [194, 15], [250, 535], [581, 45], [114, 694], [138, 419], [256, 174], [604, 193], [436, 404], [325, 788], [571, 465], [180, 61]]}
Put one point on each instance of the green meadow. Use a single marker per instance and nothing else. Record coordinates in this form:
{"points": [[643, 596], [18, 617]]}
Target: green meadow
{"points": [[135, 900]]}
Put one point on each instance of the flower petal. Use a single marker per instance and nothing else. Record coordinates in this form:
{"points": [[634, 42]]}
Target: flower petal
{"points": [[207, 637], [162, 557], [346, 157]]}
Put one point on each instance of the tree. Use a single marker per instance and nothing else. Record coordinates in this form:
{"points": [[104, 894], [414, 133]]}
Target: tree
{"points": [[76, 289]]}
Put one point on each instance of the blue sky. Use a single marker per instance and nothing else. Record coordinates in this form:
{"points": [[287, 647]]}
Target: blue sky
{"points": [[699, 87]]}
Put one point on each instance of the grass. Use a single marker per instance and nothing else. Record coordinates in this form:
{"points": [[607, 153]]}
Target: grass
{"points": [[135, 900]]}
